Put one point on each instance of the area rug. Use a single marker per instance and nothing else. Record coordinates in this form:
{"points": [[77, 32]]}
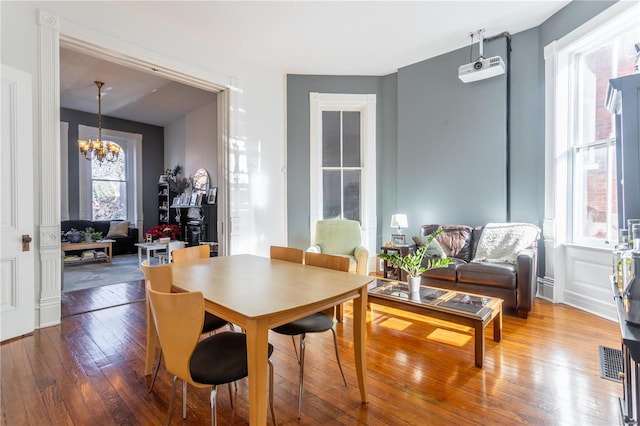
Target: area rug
{"points": [[124, 268]]}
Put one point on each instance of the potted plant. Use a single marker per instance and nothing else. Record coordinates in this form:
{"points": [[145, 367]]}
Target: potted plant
{"points": [[412, 263], [90, 234]]}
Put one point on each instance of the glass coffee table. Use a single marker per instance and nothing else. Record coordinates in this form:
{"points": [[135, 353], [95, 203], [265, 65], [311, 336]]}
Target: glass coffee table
{"points": [[472, 310]]}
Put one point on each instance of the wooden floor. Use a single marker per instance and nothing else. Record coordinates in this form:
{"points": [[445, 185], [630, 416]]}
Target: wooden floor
{"points": [[88, 371]]}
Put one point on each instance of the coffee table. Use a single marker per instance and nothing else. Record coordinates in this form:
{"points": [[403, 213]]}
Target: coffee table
{"points": [[472, 310], [103, 244]]}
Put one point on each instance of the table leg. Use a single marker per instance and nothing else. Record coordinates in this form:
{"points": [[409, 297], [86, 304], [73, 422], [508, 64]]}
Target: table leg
{"points": [[497, 326], [257, 357], [110, 248], [479, 343], [148, 257], [359, 341], [139, 255]]}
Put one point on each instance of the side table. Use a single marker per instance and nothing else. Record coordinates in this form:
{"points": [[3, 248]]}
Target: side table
{"points": [[391, 271]]}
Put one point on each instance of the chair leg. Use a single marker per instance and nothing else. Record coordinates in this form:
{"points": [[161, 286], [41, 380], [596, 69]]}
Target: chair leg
{"points": [[335, 344], [231, 394], [301, 385], [155, 372], [273, 411], [214, 415], [171, 398], [295, 348], [184, 399]]}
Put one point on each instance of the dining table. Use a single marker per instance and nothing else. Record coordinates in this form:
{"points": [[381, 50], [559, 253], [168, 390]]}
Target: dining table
{"points": [[257, 294]]}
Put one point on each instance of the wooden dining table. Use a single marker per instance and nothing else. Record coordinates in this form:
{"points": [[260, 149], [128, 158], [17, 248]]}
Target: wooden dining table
{"points": [[258, 294]]}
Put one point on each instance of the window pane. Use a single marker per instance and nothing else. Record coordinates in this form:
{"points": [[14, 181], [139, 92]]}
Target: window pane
{"points": [[109, 170], [351, 138], [331, 206], [352, 195], [591, 185], [330, 139], [109, 200]]}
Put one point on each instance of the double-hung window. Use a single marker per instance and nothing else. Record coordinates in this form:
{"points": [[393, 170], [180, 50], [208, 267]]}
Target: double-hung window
{"points": [[109, 188]]}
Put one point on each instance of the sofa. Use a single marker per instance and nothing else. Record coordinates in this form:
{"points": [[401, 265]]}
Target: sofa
{"points": [[122, 244], [502, 263]]}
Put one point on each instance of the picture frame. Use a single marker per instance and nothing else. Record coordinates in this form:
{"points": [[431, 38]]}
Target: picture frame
{"points": [[199, 199], [176, 201], [194, 198], [212, 195], [399, 239]]}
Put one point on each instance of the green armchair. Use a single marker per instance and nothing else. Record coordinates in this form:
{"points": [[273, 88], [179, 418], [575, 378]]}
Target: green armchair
{"points": [[342, 238]]}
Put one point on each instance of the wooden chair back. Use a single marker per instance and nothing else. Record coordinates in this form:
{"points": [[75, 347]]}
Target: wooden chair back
{"points": [[190, 253], [329, 261], [289, 254], [157, 276], [178, 320]]}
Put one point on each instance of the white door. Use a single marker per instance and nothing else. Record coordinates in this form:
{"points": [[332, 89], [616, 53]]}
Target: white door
{"points": [[16, 208]]}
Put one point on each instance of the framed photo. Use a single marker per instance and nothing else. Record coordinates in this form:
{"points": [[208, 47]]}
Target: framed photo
{"points": [[199, 199], [194, 198], [176, 201], [398, 239], [212, 195]]}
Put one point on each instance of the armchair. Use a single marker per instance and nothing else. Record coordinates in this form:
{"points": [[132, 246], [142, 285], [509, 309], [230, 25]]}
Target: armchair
{"points": [[341, 238]]}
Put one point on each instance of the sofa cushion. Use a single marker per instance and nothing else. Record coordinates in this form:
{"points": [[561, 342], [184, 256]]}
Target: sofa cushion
{"points": [[448, 273], [455, 240], [501, 242], [434, 250], [501, 275], [118, 229]]}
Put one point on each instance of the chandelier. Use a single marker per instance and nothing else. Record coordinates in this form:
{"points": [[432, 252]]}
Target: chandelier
{"points": [[99, 149]]}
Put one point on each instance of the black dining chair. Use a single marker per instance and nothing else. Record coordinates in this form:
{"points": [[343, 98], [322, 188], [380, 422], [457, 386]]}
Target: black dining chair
{"points": [[315, 323], [161, 280], [215, 360]]}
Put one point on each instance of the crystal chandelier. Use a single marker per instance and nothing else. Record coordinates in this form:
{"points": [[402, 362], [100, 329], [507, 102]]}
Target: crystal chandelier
{"points": [[99, 149]]}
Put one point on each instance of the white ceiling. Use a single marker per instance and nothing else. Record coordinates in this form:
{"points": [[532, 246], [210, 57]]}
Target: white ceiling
{"points": [[329, 38]]}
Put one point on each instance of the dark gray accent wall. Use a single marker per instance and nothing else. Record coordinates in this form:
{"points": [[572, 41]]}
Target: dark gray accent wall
{"points": [[152, 158], [441, 143], [298, 89]]}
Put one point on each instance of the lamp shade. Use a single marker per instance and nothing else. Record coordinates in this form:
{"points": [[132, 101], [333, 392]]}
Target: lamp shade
{"points": [[399, 220]]}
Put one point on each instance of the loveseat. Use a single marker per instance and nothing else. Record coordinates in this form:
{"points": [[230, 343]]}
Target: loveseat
{"points": [[123, 242], [502, 263]]}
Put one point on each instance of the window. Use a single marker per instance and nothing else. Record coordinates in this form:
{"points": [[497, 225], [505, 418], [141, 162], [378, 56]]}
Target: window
{"points": [[341, 165], [342, 170], [109, 189], [584, 68]]}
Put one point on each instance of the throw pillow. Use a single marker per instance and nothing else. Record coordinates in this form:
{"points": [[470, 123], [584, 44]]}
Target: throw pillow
{"points": [[434, 250], [118, 229]]}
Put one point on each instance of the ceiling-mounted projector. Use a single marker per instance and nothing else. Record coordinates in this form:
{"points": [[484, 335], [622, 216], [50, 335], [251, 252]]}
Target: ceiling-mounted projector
{"points": [[482, 67]]}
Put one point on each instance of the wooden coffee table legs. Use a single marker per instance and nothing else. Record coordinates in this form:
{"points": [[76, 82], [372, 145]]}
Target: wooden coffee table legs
{"points": [[479, 327]]}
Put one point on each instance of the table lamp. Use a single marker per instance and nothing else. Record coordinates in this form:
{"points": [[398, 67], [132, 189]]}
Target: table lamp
{"points": [[399, 221]]}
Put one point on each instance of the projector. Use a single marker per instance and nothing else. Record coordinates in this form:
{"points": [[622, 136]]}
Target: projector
{"points": [[481, 69]]}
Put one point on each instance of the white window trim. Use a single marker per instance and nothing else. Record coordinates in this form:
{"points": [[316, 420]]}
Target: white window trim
{"points": [[366, 105], [132, 146], [561, 284]]}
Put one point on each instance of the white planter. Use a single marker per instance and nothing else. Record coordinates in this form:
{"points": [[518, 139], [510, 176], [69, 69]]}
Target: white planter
{"points": [[414, 284]]}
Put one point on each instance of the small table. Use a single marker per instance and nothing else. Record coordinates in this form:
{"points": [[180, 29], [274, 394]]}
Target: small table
{"points": [[149, 248], [392, 271], [467, 309], [103, 244]]}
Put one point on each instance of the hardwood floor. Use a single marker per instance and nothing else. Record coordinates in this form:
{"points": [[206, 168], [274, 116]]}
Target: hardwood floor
{"points": [[88, 370]]}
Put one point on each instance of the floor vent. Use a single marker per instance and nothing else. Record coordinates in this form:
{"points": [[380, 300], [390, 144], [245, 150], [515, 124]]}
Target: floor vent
{"points": [[610, 363]]}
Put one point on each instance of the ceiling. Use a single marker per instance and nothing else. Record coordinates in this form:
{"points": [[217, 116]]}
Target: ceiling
{"points": [[329, 38]]}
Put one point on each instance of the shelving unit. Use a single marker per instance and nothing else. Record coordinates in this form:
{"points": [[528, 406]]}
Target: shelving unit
{"points": [[165, 197]]}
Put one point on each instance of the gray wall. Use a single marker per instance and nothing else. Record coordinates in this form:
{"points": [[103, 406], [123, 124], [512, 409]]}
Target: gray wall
{"points": [[152, 158], [441, 143]]}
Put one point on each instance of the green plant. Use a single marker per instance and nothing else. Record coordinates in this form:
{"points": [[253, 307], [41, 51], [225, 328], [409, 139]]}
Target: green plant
{"points": [[92, 233], [412, 263]]}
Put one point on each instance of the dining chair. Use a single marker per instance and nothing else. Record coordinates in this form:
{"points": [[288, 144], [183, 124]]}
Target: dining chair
{"points": [[215, 360], [160, 279], [315, 323], [190, 253], [289, 254]]}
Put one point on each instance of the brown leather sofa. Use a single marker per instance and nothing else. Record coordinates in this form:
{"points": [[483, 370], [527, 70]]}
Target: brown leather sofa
{"points": [[515, 284]]}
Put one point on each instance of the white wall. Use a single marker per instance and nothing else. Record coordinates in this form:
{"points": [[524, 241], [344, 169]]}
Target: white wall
{"points": [[201, 131], [259, 94], [174, 144]]}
